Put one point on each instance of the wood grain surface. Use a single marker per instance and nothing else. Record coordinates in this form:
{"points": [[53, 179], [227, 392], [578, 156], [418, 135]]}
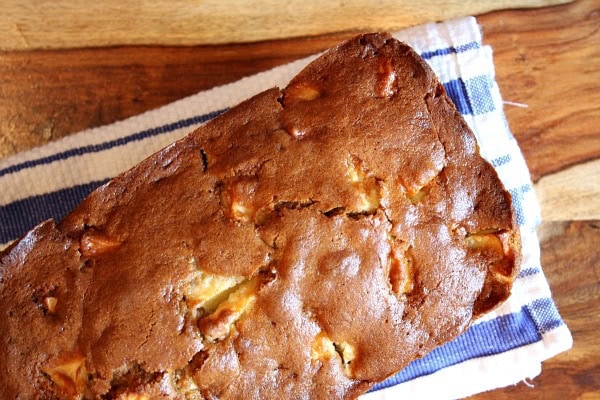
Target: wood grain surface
{"points": [[35, 24], [547, 59], [571, 194]]}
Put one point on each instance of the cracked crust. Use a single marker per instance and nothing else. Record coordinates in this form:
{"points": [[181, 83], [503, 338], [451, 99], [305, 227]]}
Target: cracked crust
{"points": [[306, 244]]}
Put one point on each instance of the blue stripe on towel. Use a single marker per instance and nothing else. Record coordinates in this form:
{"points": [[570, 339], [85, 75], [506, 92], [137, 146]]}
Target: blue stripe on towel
{"points": [[20, 216], [529, 272], [449, 50], [457, 91], [479, 91], [471, 96], [95, 148], [499, 161], [544, 314], [495, 336], [517, 199]]}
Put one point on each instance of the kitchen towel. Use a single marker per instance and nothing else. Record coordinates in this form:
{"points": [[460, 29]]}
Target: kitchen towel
{"points": [[502, 348]]}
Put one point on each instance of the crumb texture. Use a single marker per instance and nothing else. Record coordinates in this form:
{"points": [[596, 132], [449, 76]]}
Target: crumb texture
{"points": [[307, 244]]}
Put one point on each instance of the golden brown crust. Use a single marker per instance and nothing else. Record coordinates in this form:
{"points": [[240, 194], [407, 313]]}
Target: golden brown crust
{"points": [[306, 244]]}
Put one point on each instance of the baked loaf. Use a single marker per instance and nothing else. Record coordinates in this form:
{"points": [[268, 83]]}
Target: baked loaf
{"points": [[307, 244]]}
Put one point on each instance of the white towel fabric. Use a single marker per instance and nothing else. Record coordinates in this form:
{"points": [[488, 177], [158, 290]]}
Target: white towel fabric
{"points": [[503, 348]]}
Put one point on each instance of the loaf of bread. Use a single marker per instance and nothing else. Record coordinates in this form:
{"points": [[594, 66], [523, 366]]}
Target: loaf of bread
{"points": [[306, 244]]}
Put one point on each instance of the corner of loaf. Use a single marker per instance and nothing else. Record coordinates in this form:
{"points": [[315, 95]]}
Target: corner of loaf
{"points": [[308, 243]]}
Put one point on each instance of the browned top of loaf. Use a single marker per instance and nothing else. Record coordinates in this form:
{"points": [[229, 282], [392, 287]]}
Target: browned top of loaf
{"points": [[306, 244]]}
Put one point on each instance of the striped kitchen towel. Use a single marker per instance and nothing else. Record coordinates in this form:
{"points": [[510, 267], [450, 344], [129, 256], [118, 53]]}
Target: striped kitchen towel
{"points": [[502, 348]]}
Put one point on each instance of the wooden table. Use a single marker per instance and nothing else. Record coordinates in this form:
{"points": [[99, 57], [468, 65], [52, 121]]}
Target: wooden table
{"points": [[547, 61]]}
